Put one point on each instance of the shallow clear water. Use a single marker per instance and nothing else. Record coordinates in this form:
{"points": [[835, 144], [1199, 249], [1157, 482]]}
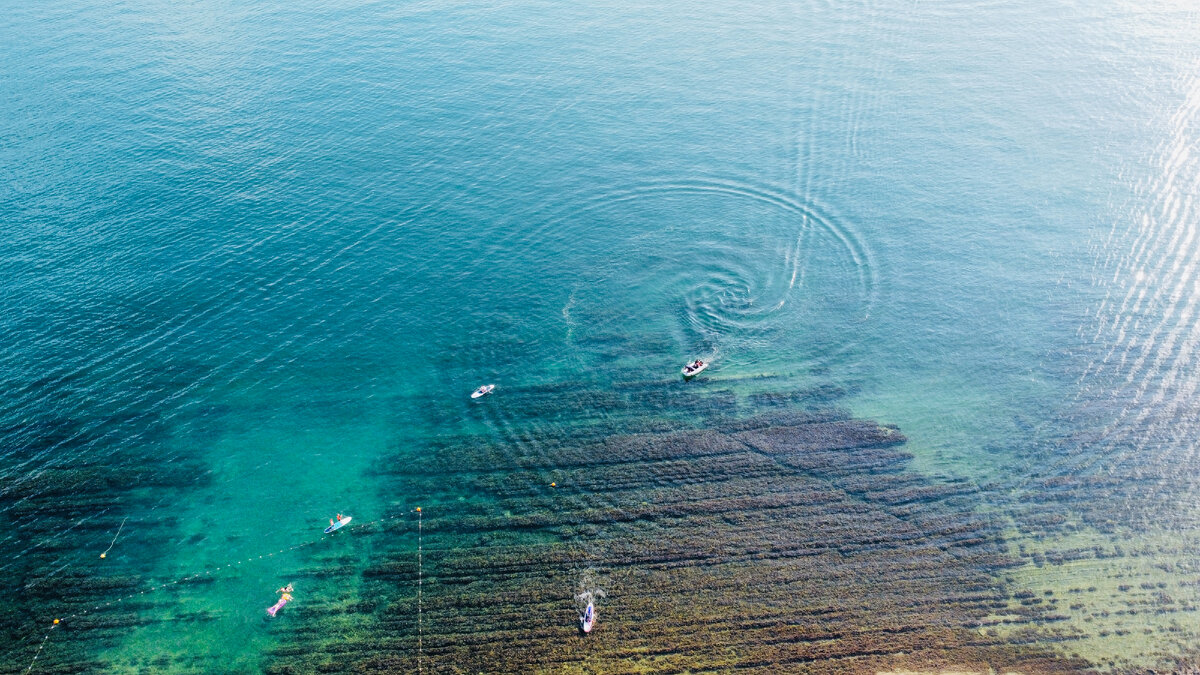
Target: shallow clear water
{"points": [[255, 258]]}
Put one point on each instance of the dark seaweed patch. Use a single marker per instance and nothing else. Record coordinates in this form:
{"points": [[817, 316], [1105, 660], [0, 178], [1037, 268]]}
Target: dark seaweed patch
{"points": [[798, 540]]}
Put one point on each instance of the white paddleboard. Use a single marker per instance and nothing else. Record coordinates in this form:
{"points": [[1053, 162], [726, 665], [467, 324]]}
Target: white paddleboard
{"points": [[338, 525], [588, 618]]}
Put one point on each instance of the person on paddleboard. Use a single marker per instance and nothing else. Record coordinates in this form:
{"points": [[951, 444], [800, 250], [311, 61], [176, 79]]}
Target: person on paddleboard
{"points": [[283, 600]]}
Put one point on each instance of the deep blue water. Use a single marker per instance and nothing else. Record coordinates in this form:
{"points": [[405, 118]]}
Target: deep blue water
{"points": [[278, 243]]}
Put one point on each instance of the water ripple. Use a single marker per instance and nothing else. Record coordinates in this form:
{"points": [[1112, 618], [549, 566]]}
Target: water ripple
{"points": [[730, 261]]}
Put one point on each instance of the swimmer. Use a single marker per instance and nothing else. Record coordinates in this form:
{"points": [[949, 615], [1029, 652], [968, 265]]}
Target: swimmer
{"points": [[285, 589]]}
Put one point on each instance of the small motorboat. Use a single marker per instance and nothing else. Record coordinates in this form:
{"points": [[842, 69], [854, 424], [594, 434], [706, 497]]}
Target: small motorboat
{"points": [[483, 391], [694, 368], [588, 618]]}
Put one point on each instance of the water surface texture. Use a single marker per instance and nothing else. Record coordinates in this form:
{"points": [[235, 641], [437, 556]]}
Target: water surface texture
{"points": [[942, 257]]}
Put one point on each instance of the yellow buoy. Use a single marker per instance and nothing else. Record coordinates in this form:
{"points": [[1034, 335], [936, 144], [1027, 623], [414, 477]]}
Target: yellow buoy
{"points": [[103, 554], [554, 485], [56, 621], [418, 509]]}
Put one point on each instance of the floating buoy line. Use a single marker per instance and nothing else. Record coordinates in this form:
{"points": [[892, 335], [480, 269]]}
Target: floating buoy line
{"points": [[41, 646], [58, 621], [420, 612], [114, 541]]}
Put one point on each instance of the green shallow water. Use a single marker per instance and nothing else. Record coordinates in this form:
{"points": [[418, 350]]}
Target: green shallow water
{"points": [[256, 258]]}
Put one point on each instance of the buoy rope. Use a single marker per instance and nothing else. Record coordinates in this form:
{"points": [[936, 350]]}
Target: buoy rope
{"points": [[114, 541], [39, 650], [420, 608], [219, 568]]}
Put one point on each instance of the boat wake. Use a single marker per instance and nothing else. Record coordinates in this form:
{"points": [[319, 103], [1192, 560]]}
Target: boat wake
{"points": [[589, 591]]}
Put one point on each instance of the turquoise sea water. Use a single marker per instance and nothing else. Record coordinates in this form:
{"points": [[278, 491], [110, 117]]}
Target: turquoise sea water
{"points": [[254, 258]]}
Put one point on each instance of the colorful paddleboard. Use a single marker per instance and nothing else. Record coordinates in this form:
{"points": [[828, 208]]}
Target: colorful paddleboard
{"points": [[279, 605]]}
